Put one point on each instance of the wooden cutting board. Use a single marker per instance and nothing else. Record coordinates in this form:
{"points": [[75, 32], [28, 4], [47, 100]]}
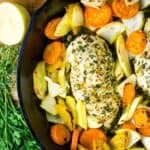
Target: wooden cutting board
{"points": [[31, 5]]}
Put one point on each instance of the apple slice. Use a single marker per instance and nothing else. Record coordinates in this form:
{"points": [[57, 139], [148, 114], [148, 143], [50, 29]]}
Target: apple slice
{"points": [[14, 20]]}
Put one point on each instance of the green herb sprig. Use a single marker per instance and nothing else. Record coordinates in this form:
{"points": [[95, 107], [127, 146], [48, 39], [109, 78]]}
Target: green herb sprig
{"points": [[14, 133]]}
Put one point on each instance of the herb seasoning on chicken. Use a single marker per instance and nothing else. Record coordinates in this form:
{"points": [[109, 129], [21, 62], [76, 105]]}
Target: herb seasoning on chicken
{"points": [[142, 70], [92, 77]]}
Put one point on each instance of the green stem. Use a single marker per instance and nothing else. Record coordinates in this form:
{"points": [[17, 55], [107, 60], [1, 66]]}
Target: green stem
{"points": [[5, 130]]}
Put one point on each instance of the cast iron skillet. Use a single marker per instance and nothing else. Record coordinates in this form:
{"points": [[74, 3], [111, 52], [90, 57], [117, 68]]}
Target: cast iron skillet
{"points": [[30, 54]]}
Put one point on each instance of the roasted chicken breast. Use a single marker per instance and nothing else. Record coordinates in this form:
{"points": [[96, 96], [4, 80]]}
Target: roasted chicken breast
{"points": [[92, 77]]}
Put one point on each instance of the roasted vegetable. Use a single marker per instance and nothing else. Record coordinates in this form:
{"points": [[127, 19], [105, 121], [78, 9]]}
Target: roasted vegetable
{"points": [[63, 27], [120, 88], [61, 102], [48, 104], [146, 141], [54, 67], [131, 2], [128, 94], [82, 116], [147, 28], [144, 3], [80, 147], [110, 31], [129, 110], [97, 17], [62, 81], [100, 144], [75, 139], [60, 134], [120, 141], [147, 25], [128, 125], [55, 89], [124, 11], [119, 73], [51, 27], [53, 52], [71, 103], [123, 55], [137, 148], [93, 122], [92, 3], [134, 23], [75, 17], [54, 118], [136, 42], [62, 111], [141, 117], [124, 139], [133, 137], [144, 131], [88, 137], [39, 83]]}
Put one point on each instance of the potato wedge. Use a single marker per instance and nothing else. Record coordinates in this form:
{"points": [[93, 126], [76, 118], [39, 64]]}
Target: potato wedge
{"points": [[39, 83]]}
